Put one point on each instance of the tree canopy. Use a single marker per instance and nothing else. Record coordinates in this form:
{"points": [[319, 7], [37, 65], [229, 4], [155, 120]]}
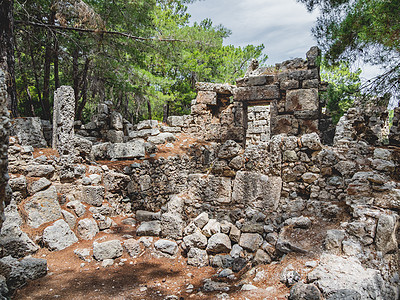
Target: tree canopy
{"points": [[369, 30], [142, 55]]}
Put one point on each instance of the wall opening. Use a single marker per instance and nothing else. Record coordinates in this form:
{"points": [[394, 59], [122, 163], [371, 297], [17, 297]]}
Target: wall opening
{"points": [[258, 124]]}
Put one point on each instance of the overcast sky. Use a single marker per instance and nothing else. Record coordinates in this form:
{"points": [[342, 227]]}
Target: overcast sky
{"points": [[283, 26]]}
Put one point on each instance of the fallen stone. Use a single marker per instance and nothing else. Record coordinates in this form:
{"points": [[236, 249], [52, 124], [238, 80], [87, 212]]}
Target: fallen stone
{"points": [[301, 291], [43, 207], [213, 286], [143, 216], [93, 195], [78, 207], [172, 226], [218, 243], [212, 227], [39, 171], [87, 229], [107, 250], [37, 186], [166, 246], [196, 240], [197, 257], [151, 228], [58, 236], [229, 149], [261, 258], [201, 220], [250, 241]]}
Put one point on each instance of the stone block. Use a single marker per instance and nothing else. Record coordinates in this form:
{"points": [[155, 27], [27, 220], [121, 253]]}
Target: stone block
{"points": [[285, 124], [93, 195], [257, 190], [28, 131], [43, 207], [58, 236], [255, 80], [299, 100], [256, 93], [208, 98], [289, 84], [134, 149]]}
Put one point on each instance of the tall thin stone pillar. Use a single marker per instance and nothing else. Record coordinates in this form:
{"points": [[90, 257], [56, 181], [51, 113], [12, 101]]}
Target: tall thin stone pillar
{"points": [[4, 134], [63, 119]]}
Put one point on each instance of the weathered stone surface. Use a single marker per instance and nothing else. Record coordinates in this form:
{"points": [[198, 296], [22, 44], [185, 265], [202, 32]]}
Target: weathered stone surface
{"points": [[151, 228], [261, 257], [218, 243], [28, 131], [386, 229], [93, 195], [69, 218], [13, 240], [166, 246], [116, 120], [301, 291], [333, 240], [256, 93], [300, 100], [311, 141], [133, 247], [256, 190], [107, 250], [162, 138], [172, 226], [39, 185], [229, 149], [197, 257], [78, 207], [336, 273], [253, 80], [133, 149], [43, 207], [212, 227], [17, 273], [213, 286], [143, 215], [63, 119], [220, 88], [201, 220], [196, 240], [58, 236], [87, 229], [147, 124], [175, 121], [234, 234], [250, 241], [39, 170]]}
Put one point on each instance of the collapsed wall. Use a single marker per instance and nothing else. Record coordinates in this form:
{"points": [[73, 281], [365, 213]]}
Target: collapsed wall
{"points": [[244, 179]]}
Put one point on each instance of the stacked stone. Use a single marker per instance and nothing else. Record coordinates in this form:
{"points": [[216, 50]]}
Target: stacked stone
{"points": [[258, 125], [4, 133], [394, 135], [214, 117]]}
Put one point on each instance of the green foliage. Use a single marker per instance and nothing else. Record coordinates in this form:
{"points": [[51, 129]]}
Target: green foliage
{"points": [[155, 62], [348, 30], [343, 88]]}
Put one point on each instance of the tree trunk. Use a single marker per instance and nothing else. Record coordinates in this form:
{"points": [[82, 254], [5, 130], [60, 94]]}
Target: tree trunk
{"points": [[7, 62], [34, 69], [149, 109], [166, 112], [75, 74], [56, 68], [47, 65], [84, 84]]}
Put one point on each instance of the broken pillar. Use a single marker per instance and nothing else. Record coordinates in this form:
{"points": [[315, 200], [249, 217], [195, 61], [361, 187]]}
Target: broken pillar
{"points": [[63, 119]]}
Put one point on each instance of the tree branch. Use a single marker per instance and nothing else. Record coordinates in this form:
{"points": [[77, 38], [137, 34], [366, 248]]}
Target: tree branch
{"points": [[127, 35]]}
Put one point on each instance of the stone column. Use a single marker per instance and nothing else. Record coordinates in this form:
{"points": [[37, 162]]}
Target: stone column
{"points": [[4, 133], [63, 119]]}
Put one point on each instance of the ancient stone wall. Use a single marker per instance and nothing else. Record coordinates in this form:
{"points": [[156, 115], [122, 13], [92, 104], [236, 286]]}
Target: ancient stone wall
{"points": [[4, 133]]}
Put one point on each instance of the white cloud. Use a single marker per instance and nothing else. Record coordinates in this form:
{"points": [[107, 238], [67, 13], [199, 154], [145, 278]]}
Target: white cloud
{"points": [[282, 26]]}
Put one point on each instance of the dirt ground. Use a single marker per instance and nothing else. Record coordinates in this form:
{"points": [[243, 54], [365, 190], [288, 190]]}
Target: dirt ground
{"points": [[149, 276]]}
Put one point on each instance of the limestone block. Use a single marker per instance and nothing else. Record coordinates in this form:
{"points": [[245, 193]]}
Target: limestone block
{"points": [[253, 80], [175, 121], [256, 190], [93, 195], [133, 247], [297, 100], [107, 250], [220, 88], [151, 228], [386, 229], [268, 92], [58, 236], [115, 136], [196, 240], [285, 124], [39, 185], [29, 132], [116, 121], [219, 243], [134, 149], [87, 229], [229, 149], [290, 84], [166, 246], [197, 257], [250, 241], [43, 207]]}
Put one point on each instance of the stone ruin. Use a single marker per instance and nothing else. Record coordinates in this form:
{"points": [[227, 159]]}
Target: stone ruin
{"points": [[255, 172]]}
